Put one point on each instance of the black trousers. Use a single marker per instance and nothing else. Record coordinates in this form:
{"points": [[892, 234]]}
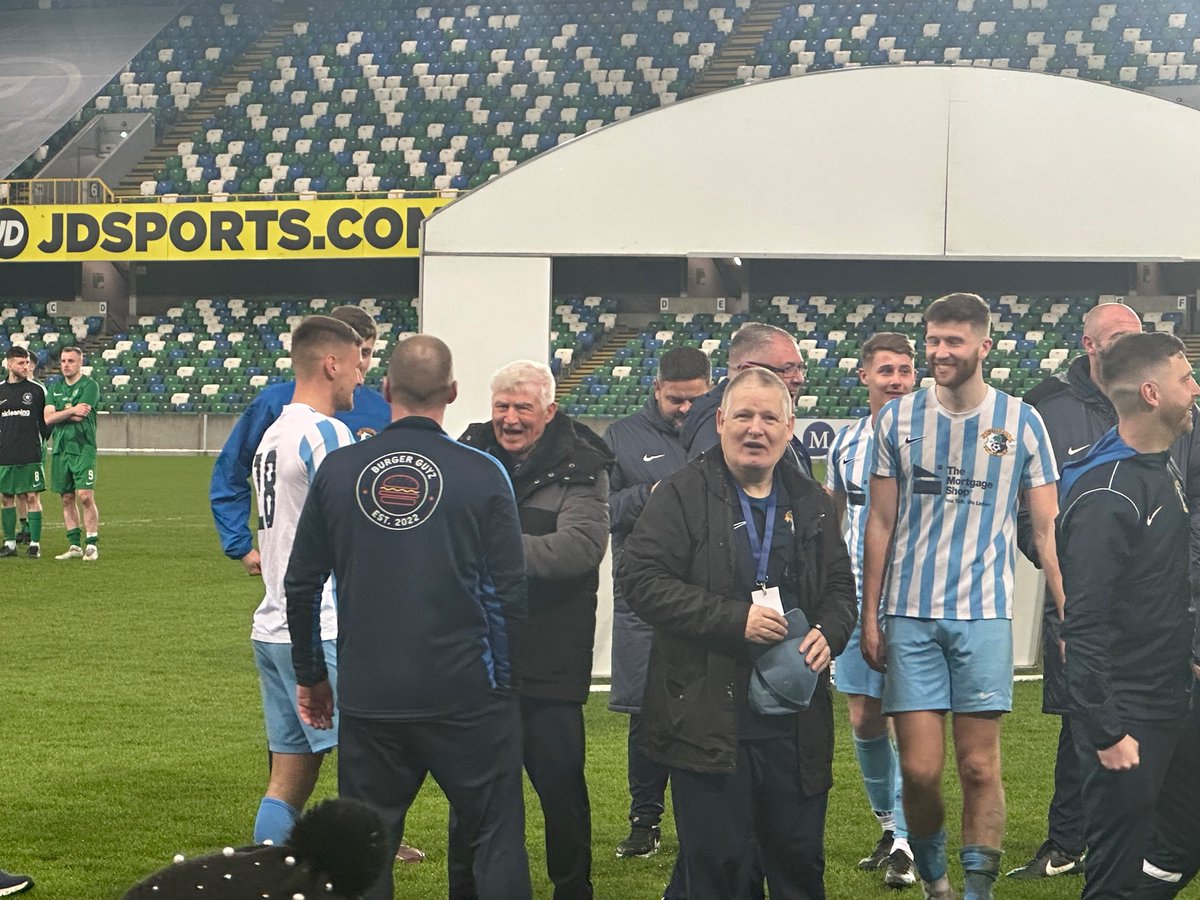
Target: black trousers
{"points": [[476, 760], [553, 738], [647, 781], [1174, 849], [1119, 810], [1065, 818], [729, 823]]}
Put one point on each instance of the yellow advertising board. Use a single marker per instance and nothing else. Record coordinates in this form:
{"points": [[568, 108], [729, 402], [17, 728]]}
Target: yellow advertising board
{"points": [[316, 229]]}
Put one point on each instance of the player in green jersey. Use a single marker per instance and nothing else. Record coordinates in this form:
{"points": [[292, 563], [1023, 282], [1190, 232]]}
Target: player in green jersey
{"points": [[71, 409]]}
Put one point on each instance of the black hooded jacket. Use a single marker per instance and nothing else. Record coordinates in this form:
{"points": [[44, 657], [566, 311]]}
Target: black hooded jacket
{"points": [[562, 499]]}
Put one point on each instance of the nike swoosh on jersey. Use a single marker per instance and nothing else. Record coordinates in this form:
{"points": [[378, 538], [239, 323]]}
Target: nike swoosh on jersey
{"points": [[846, 460], [1150, 518], [648, 458], [1071, 451], [913, 440]]}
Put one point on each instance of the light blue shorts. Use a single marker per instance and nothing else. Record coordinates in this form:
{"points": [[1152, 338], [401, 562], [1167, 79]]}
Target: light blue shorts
{"points": [[947, 664], [286, 732], [852, 675]]}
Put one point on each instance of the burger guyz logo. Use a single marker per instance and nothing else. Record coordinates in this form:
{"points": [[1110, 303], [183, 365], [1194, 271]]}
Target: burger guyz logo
{"points": [[14, 233], [399, 491], [224, 230]]}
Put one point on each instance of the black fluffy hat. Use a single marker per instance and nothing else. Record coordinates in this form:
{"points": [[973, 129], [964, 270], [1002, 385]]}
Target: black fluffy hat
{"points": [[335, 852]]}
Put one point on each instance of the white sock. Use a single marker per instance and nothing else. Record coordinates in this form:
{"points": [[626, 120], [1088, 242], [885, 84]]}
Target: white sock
{"points": [[902, 844], [887, 820], [11, 545]]}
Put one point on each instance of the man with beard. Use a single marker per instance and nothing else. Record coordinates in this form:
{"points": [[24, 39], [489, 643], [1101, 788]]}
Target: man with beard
{"points": [[755, 346], [1077, 414], [559, 471], [952, 464], [1123, 546], [647, 450], [886, 368]]}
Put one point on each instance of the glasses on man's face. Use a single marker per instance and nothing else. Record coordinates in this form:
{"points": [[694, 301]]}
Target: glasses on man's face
{"points": [[788, 371]]}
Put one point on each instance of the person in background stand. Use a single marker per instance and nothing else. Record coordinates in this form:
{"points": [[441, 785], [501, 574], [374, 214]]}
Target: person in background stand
{"points": [[1123, 547], [755, 345], [886, 368], [559, 470], [723, 549], [647, 450]]}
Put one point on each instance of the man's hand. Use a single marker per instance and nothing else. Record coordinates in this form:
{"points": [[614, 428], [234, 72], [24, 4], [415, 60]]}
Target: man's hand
{"points": [[1122, 755], [764, 625], [874, 647], [316, 704], [252, 563], [816, 650]]}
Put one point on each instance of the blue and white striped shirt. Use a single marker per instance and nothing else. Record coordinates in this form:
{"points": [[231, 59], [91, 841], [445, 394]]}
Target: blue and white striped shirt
{"points": [[284, 466], [959, 477], [851, 456]]}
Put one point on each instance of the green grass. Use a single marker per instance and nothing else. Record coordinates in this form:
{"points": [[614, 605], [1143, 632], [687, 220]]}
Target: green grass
{"points": [[132, 728]]}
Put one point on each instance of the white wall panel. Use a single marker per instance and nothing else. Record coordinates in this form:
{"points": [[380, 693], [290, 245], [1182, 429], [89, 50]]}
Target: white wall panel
{"points": [[833, 164], [1044, 167], [490, 311]]}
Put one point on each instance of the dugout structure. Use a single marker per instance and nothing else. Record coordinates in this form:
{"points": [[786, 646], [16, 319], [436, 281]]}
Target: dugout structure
{"points": [[919, 163]]}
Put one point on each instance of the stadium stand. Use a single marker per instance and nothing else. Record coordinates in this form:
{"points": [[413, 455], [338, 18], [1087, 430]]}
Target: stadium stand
{"points": [[399, 95], [167, 76]]}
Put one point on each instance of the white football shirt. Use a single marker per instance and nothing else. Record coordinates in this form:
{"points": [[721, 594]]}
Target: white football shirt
{"points": [[848, 471], [284, 465]]}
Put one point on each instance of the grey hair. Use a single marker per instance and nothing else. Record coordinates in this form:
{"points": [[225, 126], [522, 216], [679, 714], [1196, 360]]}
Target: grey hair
{"points": [[534, 377], [752, 337], [758, 378]]}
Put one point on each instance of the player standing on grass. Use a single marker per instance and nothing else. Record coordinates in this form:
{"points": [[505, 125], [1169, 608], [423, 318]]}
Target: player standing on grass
{"points": [[22, 427], [71, 410], [952, 463], [325, 359], [886, 368]]}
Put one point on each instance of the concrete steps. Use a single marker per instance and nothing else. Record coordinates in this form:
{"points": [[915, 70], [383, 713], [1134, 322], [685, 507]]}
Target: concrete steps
{"points": [[722, 68]]}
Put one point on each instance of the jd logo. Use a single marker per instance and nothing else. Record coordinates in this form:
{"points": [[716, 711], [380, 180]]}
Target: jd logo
{"points": [[14, 233]]}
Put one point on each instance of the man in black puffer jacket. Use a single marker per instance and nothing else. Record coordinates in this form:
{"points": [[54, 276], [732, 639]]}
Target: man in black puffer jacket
{"points": [[1077, 414], [559, 470], [744, 783]]}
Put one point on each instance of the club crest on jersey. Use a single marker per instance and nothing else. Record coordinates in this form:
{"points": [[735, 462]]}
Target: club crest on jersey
{"points": [[27, 398], [997, 441], [363, 433], [399, 491]]}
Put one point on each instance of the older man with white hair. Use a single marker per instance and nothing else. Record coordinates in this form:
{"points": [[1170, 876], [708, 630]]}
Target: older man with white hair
{"points": [[559, 470]]}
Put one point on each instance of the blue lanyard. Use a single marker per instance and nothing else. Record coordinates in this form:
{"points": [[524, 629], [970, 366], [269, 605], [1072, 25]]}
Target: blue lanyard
{"points": [[761, 551]]}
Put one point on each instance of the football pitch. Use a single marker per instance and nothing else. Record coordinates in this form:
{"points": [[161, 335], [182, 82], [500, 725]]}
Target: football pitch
{"points": [[132, 727]]}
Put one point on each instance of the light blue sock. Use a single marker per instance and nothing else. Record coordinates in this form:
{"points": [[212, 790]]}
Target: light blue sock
{"points": [[877, 760], [901, 822], [929, 854], [274, 821], [980, 865]]}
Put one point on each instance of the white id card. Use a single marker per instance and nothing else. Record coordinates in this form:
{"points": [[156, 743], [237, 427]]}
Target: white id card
{"points": [[768, 597]]}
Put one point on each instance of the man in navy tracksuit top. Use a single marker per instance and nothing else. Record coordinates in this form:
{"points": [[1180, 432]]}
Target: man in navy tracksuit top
{"points": [[1123, 547], [423, 536], [647, 450], [229, 490]]}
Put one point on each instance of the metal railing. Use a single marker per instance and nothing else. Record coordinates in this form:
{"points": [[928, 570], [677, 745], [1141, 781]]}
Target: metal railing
{"points": [[54, 192], [67, 191]]}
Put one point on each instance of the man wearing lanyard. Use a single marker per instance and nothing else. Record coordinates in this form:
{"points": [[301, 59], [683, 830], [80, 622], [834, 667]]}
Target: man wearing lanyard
{"points": [[722, 549]]}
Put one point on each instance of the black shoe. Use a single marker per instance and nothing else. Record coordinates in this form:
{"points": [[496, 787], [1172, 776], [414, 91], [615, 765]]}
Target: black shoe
{"points": [[642, 841], [34, 552], [24, 537], [880, 855], [900, 871], [8, 551], [14, 884], [1050, 860]]}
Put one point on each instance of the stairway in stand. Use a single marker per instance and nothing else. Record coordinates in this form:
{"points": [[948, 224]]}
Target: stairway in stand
{"points": [[602, 357], [722, 68], [214, 97]]}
